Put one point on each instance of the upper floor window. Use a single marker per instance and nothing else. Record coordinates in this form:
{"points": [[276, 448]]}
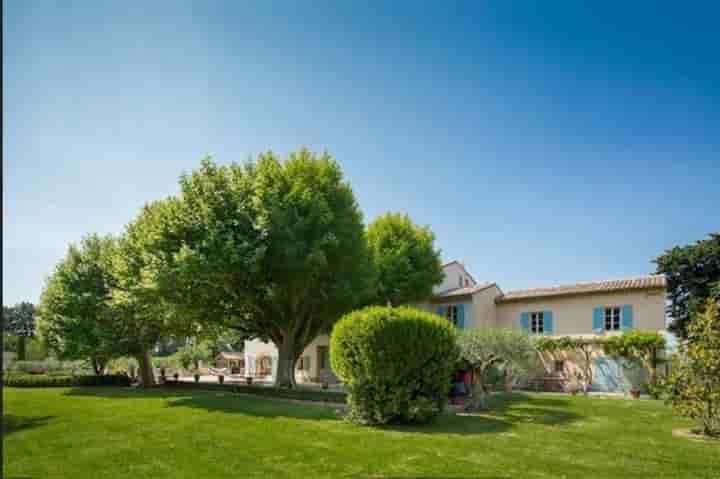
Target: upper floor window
{"points": [[460, 281], [537, 323], [452, 315], [612, 318]]}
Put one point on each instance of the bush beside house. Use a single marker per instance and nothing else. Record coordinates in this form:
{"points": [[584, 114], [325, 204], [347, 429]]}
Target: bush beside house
{"points": [[694, 385], [395, 362]]}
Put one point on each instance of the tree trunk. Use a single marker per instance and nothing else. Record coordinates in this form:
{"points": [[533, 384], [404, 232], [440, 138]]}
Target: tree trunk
{"points": [[21, 348], [478, 392], [98, 366], [587, 371], [652, 369], [147, 377], [509, 382], [287, 357]]}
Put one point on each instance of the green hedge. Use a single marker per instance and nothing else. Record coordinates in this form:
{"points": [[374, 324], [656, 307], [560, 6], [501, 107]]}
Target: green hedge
{"points": [[396, 363], [44, 380], [299, 394]]}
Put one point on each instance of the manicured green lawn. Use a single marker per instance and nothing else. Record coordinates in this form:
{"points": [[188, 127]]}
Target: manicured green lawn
{"points": [[120, 433]]}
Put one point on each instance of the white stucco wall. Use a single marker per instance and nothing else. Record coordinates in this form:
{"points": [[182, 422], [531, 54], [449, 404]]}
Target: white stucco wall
{"points": [[256, 347], [453, 272]]}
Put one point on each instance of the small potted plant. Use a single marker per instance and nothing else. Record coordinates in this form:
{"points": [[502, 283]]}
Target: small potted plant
{"points": [[635, 393], [197, 377], [162, 375], [221, 378], [176, 376], [248, 380]]}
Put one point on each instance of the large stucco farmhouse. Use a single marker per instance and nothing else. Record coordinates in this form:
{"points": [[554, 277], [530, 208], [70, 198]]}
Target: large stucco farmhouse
{"points": [[598, 308]]}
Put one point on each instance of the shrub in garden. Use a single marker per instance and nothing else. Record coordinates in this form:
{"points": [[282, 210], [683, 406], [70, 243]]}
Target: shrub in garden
{"points": [[49, 366], [395, 362], [694, 384], [20, 380]]}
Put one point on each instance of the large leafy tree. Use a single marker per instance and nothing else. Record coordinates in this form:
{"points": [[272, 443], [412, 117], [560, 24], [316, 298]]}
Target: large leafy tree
{"points": [[19, 321], [406, 263], [274, 249], [75, 311], [692, 272], [145, 305]]}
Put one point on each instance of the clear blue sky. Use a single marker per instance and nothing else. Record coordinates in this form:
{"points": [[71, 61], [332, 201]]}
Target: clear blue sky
{"points": [[543, 142]]}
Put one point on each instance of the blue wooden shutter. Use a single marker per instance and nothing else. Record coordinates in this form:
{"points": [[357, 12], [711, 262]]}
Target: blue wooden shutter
{"points": [[597, 321], [548, 322], [461, 316], [441, 311], [525, 322], [627, 317]]}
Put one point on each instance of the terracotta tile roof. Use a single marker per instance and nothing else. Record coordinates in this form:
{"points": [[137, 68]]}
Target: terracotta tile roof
{"points": [[644, 282], [462, 291]]}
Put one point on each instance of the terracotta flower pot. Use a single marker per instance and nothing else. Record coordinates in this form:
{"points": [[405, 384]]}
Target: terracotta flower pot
{"points": [[635, 393]]}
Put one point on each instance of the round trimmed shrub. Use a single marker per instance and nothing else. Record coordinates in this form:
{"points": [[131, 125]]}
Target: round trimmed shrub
{"points": [[395, 362]]}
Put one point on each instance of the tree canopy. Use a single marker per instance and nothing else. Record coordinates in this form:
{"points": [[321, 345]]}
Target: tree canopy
{"points": [[484, 348], [19, 319], [407, 265], [272, 248], [692, 271], [75, 311], [18, 325]]}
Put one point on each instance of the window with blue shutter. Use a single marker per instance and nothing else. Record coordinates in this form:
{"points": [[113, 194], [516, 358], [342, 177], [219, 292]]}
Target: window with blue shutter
{"points": [[548, 322], [525, 322], [441, 311], [627, 317], [597, 320], [460, 316]]}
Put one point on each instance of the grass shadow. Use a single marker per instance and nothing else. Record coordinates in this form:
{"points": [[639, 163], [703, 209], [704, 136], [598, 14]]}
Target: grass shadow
{"points": [[504, 412], [12, 423], [212, 401]]}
